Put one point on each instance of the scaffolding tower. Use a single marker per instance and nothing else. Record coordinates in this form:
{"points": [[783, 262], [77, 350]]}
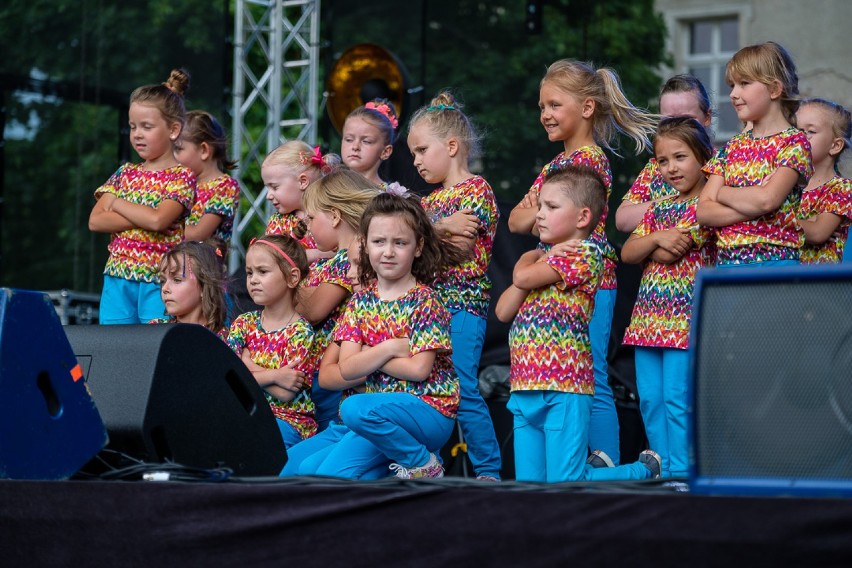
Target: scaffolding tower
{"points": [[276, 93]]}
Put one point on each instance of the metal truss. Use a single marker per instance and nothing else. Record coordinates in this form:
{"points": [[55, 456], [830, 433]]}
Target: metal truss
{"points": [[276, 94]]}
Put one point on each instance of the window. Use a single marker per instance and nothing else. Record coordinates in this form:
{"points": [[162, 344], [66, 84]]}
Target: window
{"points": [[710, 44]]}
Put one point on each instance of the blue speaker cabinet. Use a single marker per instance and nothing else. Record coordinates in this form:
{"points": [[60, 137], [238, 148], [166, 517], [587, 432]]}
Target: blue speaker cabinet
{"points": [[771, 395], [49, 425]]}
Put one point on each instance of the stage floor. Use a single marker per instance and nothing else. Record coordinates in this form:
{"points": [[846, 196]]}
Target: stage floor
{"points": [[452, 522]]}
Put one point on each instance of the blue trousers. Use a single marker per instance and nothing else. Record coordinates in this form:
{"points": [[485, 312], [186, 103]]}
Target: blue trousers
{"points": [[467, 333], [603, 430], [128, 301], [307, 455], [662, 379], [290, 435], [551, 431], [385, 428]]}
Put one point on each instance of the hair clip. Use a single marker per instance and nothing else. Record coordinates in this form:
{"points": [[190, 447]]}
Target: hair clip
{"points": [[434, 108], [316, 159], [397, 189], [385, 110]]}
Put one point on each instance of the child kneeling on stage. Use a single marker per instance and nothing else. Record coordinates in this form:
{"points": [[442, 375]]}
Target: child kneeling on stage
{"points": [[551, 300]]}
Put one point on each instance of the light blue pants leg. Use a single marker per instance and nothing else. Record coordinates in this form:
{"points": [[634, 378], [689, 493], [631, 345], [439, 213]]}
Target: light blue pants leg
{"points": [[326, 403], [468, 335], [675, 386], [652, 405], [400, 425], [353, 457], [299, 453], [603, 430], [551, 433], [150, 304], [290, 435]]}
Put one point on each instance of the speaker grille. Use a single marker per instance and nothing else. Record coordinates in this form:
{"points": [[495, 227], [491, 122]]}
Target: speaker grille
{"points": [[773, 396]]}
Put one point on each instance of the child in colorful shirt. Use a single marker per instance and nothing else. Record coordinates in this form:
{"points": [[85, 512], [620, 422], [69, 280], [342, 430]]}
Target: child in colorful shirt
{"points": [[276, 343], [143, 205], [681, 95], [551, 300], [755, 182], [202, 147], [826, 207], [395, 331], [583, 108], [670, 244], [443, 140]]}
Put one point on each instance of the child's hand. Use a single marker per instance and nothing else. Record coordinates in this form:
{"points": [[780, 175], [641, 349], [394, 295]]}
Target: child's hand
{"points": [[766, 179], [530, 200], [399, 346], [290, 379], [462, 223], [676, 241], [565, 248], [531, 256]]}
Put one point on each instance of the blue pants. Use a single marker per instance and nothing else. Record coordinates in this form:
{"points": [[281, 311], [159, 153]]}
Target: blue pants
{"points": [[386, 427], [468, 335], [129, 301], [662, 381], [307, 455], [326, 403], [759, 264], [551, 433], [603, 430], [290, 435]]}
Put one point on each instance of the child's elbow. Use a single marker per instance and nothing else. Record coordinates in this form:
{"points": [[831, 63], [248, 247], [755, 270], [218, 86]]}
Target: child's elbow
{"points": [[503, 315]]}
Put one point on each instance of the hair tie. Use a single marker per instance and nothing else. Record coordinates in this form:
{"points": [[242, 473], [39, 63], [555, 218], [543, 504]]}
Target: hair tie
{"points": [[434, 108], [397, 189], [384, 110], [315, 159], [276, 247]]}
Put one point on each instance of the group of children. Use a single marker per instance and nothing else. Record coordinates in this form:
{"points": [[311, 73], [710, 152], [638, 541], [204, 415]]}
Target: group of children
{"points": [[374, 302]]}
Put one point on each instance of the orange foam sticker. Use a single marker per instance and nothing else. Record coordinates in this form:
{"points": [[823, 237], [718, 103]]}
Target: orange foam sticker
{"points": [[77, 372]]}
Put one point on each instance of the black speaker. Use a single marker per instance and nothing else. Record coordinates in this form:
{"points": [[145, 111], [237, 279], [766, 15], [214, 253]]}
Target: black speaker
{"points": [[49, 425], [771, 400], [176, 392]]}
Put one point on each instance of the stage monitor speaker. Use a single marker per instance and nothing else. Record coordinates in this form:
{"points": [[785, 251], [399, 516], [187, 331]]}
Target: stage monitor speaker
{"points": [[771, 396], [177, 393], [49, 425]]}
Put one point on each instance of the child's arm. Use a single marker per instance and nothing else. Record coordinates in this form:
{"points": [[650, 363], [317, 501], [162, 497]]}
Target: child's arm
{"points": [[317, 302], [629, 215], [757, 200], [316, 254], [710, 212], [356, 362], [819, 228], [676, 242], [462, 223], [509, 303], [529, 273], [522, 217], [205, 228], [283, 383], [156, 219], [329, 376], [102, 220], [415, 368]]}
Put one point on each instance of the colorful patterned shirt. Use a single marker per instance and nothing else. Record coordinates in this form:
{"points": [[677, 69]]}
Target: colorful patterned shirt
{"points": [[221, 334], [334, 270], [744, 162], [135, 254], [649, 185], [595, 158], [291, 345], [220, 196], [466, 286], [549, 343], [835, 196], [663, 307], [418, 315], [279, 224]]}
